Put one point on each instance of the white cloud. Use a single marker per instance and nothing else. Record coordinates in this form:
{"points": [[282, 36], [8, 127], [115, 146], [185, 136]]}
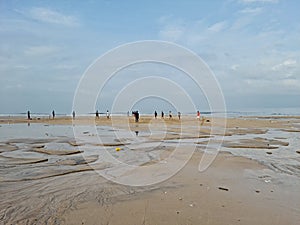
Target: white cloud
{"points": [[285, 64], [274, 86], [234, 67], [65, 66], [217, 27], [172, 32], [256, 10], [22, 67], [291, 83], [172, 29], [40, 50], [51, 16], [13, 86], [289, 62], [247, 50], [258, 1], [241, 22]]}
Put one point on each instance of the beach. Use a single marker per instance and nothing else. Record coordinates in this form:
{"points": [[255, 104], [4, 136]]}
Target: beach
{"points": [[56, 171], [150, 112]]}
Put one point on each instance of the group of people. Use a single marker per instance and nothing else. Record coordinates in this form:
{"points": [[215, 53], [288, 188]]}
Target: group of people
{"points": [[170, 115], [53, 115], [107, 114], [134, 113]]}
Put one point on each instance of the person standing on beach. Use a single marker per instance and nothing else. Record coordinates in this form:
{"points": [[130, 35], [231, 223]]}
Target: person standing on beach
{"points": [[107, 114], [97, 114], [136, 116], [155, 114], [53, 114], [73, 113], [162, 114], [28, 115], [179, 115], [170, 115], [198, 115]]}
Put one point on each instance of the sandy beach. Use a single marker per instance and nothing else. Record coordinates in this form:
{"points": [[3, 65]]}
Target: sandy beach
{"points": [[48, 176]]}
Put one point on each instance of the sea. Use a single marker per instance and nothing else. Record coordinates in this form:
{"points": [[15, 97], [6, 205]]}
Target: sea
{"points": [[231, 113]]}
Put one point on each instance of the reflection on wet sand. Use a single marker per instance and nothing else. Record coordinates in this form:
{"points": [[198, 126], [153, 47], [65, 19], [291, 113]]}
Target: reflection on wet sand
{"points": [[261, 143]]}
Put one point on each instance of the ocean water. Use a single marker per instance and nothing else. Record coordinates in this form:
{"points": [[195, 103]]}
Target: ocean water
{"points": [[253, 112]]}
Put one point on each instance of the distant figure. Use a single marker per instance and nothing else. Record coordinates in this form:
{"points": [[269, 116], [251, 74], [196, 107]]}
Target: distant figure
{"points": [[179, 115], [28, 115], [73, 113], [136, 116], [53, 114], [170, 115], [155, 114], [107, 114], [97, 114], [162, 114], [198, 115]]}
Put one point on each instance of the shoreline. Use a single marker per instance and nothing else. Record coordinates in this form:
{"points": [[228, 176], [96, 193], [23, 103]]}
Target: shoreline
{"points": [[143, 119]]}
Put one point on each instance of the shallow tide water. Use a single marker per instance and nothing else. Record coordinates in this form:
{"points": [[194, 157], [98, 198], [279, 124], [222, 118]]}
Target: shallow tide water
{"points": [[25, 147]]}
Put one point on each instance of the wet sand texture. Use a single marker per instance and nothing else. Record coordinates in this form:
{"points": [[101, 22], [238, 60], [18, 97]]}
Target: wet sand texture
{"points": [[55, 179]]}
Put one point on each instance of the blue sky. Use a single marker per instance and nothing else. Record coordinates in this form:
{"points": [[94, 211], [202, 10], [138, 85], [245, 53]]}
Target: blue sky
{"points": [[252, 46]]}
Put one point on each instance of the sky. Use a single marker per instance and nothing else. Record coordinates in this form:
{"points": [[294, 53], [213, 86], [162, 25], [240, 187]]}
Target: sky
{"points": [[251, 46]]}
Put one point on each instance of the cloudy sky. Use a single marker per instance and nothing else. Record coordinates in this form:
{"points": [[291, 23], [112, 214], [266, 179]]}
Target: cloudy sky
{"points": [[252, 47]]}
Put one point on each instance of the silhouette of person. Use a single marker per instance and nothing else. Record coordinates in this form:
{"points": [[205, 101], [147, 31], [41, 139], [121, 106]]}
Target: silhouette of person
{"points": [[73, 113], [170, 115], [97, 114], [53, 114], [136, 116], [155, 114], [28, 115], [179, 115], [162, 114], [107, 114]]}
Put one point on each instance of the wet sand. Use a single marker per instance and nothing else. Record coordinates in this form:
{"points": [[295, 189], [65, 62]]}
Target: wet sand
{"points": [[233, 190], [48, 179]]}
